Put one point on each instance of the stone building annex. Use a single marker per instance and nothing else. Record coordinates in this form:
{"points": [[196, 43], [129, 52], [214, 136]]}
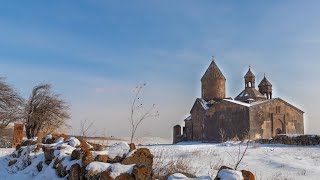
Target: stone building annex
{"points": [[254, 113]]}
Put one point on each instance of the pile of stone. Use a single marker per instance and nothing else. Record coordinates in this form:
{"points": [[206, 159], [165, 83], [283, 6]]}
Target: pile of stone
{"points": [[227, 173], [300, 140], [76, 159]]}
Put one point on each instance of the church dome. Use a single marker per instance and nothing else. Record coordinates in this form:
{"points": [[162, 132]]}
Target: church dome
{"points": [[265, 82], [249, 74], [213, 71]]}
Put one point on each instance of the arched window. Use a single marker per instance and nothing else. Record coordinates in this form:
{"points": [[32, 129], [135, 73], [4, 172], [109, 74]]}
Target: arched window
{"points": [[250, 85]]}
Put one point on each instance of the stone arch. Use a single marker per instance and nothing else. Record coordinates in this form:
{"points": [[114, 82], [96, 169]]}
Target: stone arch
{"points": [[278, 127]]}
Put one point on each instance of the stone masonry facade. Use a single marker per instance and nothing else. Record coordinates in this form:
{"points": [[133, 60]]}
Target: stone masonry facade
{"points": [[252, 114]]}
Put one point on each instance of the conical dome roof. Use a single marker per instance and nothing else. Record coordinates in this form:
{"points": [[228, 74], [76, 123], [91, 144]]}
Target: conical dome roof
{"points": [[213, 71], [249, 73], [265, 82]]}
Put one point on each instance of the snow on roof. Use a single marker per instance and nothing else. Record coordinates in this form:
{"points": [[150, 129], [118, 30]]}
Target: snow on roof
{"points": [[243, 93], [238, 102], [188, 118], [247, 104], [204, 104]]}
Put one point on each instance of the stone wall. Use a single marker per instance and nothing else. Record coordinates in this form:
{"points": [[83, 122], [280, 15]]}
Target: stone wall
{"points": [[231, 118], [198, 117], [213, 89], [275, 117], [176, 134], [188, 130], [302, 140]]}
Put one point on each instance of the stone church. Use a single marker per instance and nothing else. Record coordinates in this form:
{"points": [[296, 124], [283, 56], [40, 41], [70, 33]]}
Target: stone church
{"points": [[253, 113]]}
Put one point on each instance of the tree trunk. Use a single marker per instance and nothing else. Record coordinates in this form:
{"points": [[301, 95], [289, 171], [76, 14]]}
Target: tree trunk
{"points": [[28, 131]]}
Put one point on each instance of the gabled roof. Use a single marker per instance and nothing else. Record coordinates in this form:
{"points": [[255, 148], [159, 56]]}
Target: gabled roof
{"points": [[279, 99], [188, 118], [265, 82], [262, 102], [249, 73], [213, 71], [203, 104], [237, 102]]}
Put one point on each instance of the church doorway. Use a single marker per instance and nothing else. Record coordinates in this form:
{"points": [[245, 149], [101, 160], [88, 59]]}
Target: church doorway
{"points": [[278, 131], [278, 124]]}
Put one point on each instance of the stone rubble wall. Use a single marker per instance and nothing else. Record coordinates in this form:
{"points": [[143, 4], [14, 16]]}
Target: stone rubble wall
{"points": [[300, 140]]}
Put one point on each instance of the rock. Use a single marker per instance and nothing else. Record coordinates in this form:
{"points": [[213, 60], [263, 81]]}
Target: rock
{"points": [[28, 142], [142, 172], [97, 147], [132, 146], [49, 141], [13, 155], [227, 174], [62, 172], [222, 168], [125, 176], [76, 154], [74, 142], [56, 163], [75, 172], [119, 149], [19, 153], [84, 144], [37, 148], [87, 158], [115, 160], [18, 147], [247, 175], [40, 166], [141, 157], [12, 162], [225, 167], [61, 147], [48, 155], [92, 175], [106, 176], [64, 136], [101, 158]]}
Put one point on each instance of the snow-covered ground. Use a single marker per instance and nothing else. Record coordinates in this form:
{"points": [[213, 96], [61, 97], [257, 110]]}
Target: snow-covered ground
{"points": [[137, 141], [265, 161]]}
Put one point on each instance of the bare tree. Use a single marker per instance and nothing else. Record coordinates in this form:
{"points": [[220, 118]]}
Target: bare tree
{"points": [[85, 127], [44, 109], [10, 105], [138, 112], [222, 134], [240, 155]]}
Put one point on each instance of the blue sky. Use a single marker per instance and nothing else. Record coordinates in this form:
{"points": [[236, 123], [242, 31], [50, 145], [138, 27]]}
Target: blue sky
{"points": [[95, 52]]}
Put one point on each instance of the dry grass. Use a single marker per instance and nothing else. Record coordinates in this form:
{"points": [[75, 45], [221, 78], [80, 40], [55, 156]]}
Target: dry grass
{"points": [[162, 170], [214, 167], [280, 176], [302, 172]]}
